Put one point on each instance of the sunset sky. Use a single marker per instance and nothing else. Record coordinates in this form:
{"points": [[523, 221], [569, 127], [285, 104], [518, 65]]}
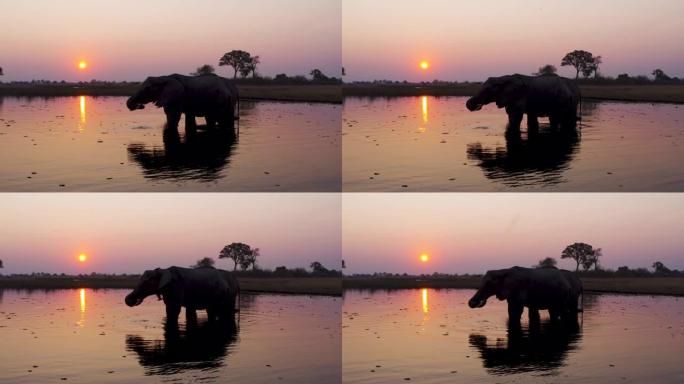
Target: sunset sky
{"points": [[132, 232], [131, 39], [471, 233], [471, 40]]}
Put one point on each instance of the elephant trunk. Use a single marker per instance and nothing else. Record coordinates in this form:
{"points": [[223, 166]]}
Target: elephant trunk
{"points": [[133, 299], [477, 301], [473, 104], [133, 104]]}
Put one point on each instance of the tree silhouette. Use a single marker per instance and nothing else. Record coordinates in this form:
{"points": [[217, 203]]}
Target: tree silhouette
{"points": [[548, 262], [579, 59], [250, 66], [241, 254], [204, 262], [206, 69], [660, 75], [236, 59], [1, 71], [318, 267], [595, 64], [582, 253], [318, 75], [1, 266], [658, 266], [548, 69]]}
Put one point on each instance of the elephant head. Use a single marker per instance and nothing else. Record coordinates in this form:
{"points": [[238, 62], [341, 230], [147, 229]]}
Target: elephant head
{"points": [[500, 282], [152, 282], [504, 90], [162, 90]]}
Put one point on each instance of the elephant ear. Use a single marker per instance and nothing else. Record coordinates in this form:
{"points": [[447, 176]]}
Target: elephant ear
{"points": [[512, 284], [171, 94], [513, 90], [167, 277]]}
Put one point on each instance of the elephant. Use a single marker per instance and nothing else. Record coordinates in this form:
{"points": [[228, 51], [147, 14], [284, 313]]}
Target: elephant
{"points": [[207, 288], [210, 96], [537, 96], [549, 288]]}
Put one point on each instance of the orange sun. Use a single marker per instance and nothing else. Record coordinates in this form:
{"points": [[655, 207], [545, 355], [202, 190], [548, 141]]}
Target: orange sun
{"points": [[82, 257], [424, 257], [82, 65], [424, 65]]}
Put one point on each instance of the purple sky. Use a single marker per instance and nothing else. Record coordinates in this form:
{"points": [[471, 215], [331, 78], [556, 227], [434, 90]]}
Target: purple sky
{"points": [[131, 39], [131, 232], [471, 40], [474, 232]]}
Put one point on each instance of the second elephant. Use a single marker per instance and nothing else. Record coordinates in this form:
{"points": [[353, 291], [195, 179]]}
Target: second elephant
{"points": [[549, 96], [210, 96]]}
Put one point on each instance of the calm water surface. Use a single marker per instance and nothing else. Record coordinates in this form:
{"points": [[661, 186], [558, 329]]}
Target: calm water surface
{"points": [[435, 144], [95, 144], [88, 336], [431, 336]]}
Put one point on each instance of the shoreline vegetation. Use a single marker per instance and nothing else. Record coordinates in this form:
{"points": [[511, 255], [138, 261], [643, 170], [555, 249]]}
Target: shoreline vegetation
{"points": [[652, 93], [328, 286], [315, 93], [673, 286]]}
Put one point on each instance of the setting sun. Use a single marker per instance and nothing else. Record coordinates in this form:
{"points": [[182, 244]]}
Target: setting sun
{"points": [[82, 257], [424, 65], [424, 257], [82, 65]]}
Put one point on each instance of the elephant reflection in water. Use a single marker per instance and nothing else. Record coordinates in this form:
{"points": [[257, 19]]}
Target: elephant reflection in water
{"points": [[543, 347], [540, 158], [201, 346], [201, 156]]}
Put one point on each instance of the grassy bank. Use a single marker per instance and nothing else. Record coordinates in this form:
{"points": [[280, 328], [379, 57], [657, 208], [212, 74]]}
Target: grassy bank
{"points": [[662, 93], [636, 285], [305, 92], [298, 285]]}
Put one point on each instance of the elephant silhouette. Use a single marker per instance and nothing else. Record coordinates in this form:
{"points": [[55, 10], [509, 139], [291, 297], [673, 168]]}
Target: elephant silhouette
{"points": [[541, 347], [205, 346], [201, 156]]}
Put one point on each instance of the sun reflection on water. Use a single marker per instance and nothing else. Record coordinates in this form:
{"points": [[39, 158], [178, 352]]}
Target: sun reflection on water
{"points": [[82, 105], [424, 111], [424, 293], [82, 297]]}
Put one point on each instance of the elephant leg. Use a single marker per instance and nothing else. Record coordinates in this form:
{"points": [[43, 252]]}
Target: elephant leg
{"points": [[554, 121], [172, 118], [190, 124], [211, 314], [515, 311], [211, 121], [190, 316], [532, 124], [554, 314], [172, 312], [514, 119], [533, 314]]}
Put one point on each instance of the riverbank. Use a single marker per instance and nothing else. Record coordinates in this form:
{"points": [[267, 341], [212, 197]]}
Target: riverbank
{"points": [[655, 93], [633, 285], [290, 285], [305, 92]]}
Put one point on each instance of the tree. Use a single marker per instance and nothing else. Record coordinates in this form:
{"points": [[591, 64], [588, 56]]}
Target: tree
{"points": [[204, 262], [592, 260], [250, 67], [318, 267], [581, 253], [660, 268], [236, 59], [1, 266], [596, 63], [548, 262], [318, 75], [206, 69], [250, 260], [239, 253], [1, 71], [579, 59], [548, 69], [660, 75]]}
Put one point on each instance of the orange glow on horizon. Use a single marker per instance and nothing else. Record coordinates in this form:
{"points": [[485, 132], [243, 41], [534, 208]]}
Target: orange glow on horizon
{"points": [[424, 257]]}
